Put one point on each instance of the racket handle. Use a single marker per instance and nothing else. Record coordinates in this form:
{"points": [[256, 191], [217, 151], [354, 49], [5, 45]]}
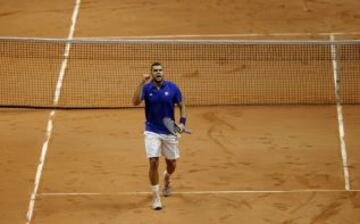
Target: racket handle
{"points": [[187, 131]]}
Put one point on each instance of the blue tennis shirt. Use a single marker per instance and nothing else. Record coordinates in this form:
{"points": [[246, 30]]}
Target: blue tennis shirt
{"points": [[160, 103]]}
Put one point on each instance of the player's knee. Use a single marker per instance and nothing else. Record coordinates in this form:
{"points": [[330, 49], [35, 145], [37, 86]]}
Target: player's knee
{"points": [[154, 162], [171, 166]]}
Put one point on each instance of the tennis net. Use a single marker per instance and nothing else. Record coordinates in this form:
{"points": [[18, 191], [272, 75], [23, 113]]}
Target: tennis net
{"points": [[104, 73]]}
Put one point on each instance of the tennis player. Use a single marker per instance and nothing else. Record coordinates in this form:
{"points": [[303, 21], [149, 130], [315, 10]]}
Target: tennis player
{"points": [[160, 98]]}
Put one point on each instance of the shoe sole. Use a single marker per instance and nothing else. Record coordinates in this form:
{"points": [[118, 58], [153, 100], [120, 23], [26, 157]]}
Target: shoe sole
{"points": [[166, 194]]}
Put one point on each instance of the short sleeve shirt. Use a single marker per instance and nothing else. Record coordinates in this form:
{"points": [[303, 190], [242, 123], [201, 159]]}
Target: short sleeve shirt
{"points": [[160, 103]]}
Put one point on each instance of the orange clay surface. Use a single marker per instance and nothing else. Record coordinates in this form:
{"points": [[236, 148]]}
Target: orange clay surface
{"points": [[256, 148]]}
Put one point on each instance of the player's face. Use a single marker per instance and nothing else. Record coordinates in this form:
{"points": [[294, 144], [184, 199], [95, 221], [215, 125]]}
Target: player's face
{"points": [[157, 73]]}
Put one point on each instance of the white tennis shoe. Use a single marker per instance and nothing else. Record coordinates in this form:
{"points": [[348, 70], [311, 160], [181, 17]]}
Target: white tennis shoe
{"points": [[156, 202]]}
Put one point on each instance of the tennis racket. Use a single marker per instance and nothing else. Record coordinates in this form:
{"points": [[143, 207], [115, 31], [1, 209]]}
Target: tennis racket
{"points": [[173, 127]]}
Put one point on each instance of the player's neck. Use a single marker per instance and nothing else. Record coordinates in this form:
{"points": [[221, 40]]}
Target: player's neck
{"points": [[158, 84]]}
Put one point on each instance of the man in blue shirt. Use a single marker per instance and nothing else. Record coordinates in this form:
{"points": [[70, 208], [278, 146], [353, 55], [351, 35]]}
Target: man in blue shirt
{"points": [[160, 98]]}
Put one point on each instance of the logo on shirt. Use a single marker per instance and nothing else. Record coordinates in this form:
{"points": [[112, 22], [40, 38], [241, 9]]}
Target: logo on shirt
{"points": [[150, 94], [166, 93]]}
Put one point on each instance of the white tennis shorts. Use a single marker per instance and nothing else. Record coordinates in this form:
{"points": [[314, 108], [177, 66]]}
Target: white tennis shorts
{"points": [[161, 144]]}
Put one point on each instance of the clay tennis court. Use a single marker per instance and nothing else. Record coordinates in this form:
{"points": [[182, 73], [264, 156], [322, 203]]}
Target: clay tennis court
{"points": [[243, 163]]}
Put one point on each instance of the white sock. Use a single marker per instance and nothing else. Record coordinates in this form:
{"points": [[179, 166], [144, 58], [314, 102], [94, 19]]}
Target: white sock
{"points": [[166, 174], [155, 188]]}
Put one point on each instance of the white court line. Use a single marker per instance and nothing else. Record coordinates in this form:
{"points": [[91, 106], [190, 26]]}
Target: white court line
{"points": [[224, 35], [340, 117], [184, 36], [40, 166], [49, 128], [67, 51], [218, 35], [196, 192]]}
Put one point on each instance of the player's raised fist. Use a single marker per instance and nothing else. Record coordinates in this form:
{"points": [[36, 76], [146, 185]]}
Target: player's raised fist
{"points": [[147, 77]]}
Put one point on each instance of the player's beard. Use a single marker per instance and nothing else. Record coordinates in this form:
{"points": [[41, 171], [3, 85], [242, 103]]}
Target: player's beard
{"points": [[158, 79]]}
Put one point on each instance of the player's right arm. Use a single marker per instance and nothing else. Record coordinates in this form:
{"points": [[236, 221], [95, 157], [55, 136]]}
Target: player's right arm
{"points": [[136, 100]]}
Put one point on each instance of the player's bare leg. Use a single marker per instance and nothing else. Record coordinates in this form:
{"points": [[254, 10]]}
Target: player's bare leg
{"points": [[154, 180], [170, 169]]}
